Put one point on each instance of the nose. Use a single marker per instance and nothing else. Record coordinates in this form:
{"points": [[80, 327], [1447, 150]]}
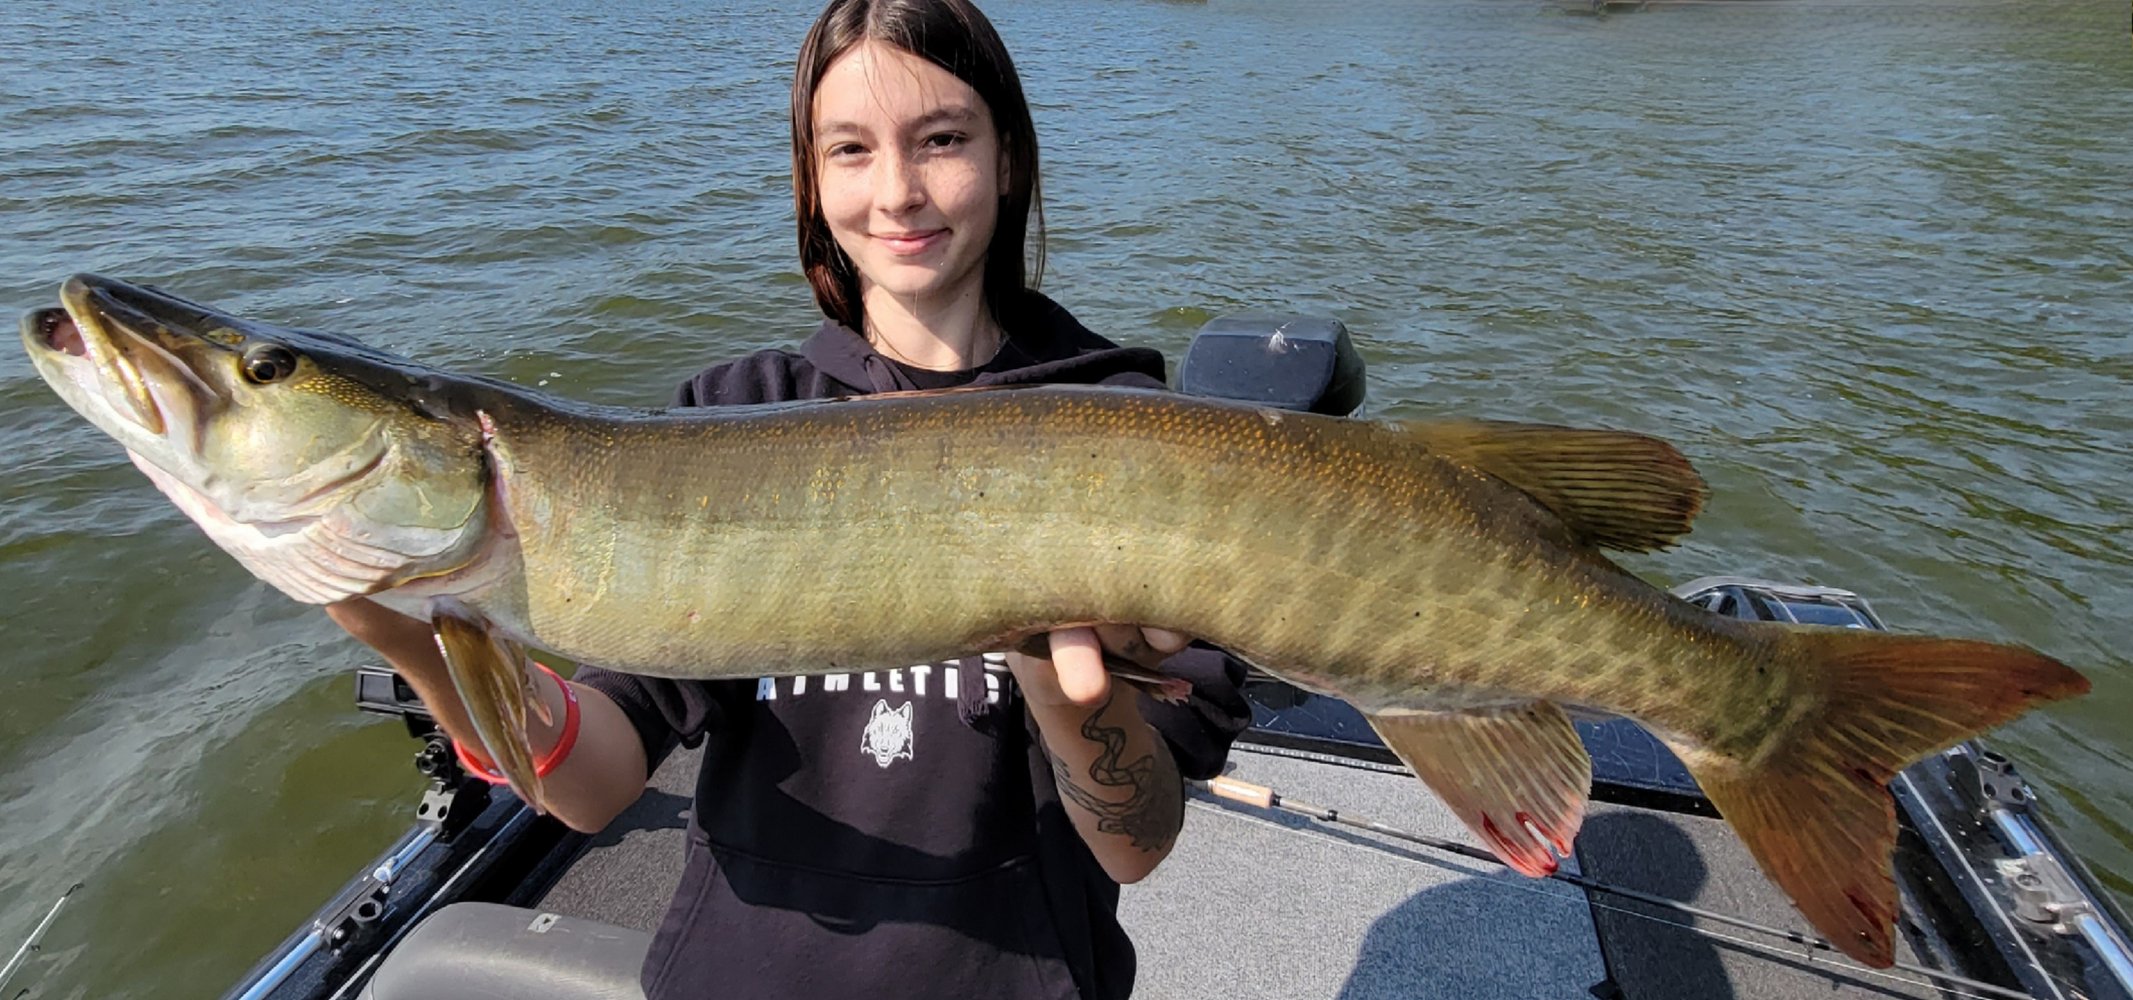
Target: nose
{"points": [[901, 187]]}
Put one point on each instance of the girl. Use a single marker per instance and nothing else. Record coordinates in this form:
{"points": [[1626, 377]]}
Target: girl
{"points": [[950, 829]]}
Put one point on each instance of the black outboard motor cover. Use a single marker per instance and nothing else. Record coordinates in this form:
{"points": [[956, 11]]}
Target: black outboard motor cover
{"points": [[1293, 362]]}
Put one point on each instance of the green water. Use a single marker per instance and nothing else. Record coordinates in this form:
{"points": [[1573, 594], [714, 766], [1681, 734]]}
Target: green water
{"points": [[1867, 263]]}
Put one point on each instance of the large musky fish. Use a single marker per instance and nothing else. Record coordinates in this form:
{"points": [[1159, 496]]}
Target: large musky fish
{"points": [[1444, 578]]}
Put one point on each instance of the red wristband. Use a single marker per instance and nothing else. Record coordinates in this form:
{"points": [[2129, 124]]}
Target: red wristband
{"points": [[550, 760]]}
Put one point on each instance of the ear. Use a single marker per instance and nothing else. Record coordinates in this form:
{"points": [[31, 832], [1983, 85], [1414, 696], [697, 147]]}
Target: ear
{"points": [[904, 710]]}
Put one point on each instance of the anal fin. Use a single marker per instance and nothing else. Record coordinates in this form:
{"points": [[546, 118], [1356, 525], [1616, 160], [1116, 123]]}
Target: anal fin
{"points": [[1517, 775]]}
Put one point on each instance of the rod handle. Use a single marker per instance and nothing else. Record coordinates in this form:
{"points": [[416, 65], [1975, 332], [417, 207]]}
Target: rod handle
{"points": [[1242, 791]]}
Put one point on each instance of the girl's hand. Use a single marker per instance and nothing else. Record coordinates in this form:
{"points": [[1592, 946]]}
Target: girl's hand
{"points": [[1074, 676], [1114, 774]]}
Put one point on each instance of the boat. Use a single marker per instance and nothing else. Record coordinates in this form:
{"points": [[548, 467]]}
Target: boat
{"points": [[1336, 873]]}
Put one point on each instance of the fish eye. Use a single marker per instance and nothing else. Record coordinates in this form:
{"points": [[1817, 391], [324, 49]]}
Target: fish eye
{"points": [[266, 363]]}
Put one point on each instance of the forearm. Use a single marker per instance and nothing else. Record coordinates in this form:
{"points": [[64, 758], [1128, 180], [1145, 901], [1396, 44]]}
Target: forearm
{"points": [[1117, 781], [605, 770]]}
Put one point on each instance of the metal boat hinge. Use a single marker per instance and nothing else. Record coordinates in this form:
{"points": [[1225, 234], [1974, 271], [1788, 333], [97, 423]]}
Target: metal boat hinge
{"points": [[453, 799], [364, 903], [353, 920], [1987, 782], [2044, 892]]}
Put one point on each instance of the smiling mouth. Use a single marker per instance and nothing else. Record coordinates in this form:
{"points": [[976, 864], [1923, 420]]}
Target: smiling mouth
{"points": [[912, 242]]}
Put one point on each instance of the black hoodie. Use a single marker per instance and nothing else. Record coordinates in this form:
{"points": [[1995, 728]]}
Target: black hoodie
{"points": [[897, 833]]}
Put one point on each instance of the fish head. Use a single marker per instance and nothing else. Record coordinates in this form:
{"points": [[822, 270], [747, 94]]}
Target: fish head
{"points": [[329, 469]]}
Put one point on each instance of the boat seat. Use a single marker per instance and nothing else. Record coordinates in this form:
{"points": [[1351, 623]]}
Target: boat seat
{"points": [[481, 951]]}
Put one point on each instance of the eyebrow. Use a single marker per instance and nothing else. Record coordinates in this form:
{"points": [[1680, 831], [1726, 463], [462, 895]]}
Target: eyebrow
{"points": [[955, 114]]}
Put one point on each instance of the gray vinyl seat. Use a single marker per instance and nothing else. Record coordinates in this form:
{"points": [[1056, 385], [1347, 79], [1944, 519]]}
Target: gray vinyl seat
{"points": [[481, 951]]}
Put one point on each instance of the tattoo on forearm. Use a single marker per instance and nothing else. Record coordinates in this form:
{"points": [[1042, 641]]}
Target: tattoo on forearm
{"points": [[1154, 810]]}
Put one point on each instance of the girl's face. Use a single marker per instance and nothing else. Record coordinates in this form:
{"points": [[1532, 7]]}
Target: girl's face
{"points": [[910, 174]]}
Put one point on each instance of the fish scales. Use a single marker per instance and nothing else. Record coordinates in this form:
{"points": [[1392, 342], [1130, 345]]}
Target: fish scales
{"points": [[1056, 505]]}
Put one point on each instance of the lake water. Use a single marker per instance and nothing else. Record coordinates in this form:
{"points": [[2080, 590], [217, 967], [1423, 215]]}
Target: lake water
{"points": [[1867, 263]]}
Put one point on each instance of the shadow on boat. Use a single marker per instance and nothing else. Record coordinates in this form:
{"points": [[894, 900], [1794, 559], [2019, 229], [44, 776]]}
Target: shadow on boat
{"points": [[1385, 969]]}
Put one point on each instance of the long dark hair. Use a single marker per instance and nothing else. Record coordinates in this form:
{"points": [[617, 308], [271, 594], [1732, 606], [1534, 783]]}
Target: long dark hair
{"points": [[955, 36]]}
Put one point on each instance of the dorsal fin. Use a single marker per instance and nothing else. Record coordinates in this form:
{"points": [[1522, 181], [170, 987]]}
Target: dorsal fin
{"points": [[1613, 489]]}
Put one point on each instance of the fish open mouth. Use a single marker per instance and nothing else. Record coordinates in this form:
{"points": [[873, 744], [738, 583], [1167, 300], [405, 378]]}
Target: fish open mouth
{"points": [[56, 331], [84, 326]]}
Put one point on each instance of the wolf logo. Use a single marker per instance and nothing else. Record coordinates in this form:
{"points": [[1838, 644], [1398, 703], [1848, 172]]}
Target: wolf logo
{"points": [[888, 733]]}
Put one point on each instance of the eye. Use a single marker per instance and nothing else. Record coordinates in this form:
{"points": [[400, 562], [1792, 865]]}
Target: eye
{"points": [[946, 140], [266, 363]]}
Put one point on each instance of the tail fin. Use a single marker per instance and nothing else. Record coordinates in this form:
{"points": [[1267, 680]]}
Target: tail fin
{"points": [[1815, 810]]}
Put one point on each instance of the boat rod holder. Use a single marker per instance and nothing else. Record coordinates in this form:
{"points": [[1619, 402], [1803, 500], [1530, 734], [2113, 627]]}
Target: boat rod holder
{"points": [[454, 798]]}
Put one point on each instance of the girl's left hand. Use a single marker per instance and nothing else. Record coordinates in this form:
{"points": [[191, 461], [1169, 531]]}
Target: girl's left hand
{"points": [[1074, 676]]}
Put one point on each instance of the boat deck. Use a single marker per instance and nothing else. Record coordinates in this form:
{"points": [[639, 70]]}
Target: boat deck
{"points": [[1310, 910]]}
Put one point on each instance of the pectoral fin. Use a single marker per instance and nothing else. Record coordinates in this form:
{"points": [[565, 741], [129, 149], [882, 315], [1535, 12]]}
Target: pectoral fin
{"points": [[489, 671], [1517, 776]]}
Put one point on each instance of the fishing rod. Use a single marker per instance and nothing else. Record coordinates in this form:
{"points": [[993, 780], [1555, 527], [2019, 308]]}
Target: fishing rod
{"points": [[1262, 797], [30, 945]]}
